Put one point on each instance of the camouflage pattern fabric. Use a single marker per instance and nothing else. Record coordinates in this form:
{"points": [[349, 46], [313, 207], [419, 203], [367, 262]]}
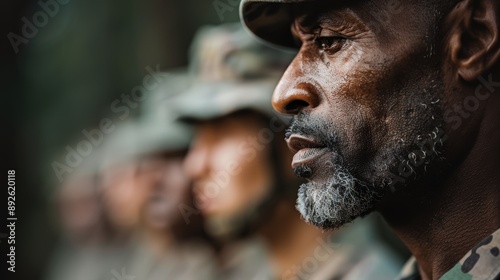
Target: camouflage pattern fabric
{"points": [[120, 146], [157, 130], [155, 106], [480, 263], [227, 53]]}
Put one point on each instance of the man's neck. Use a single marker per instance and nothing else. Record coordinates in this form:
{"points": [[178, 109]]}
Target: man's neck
{"points": [[159, 241], [457, 211]]}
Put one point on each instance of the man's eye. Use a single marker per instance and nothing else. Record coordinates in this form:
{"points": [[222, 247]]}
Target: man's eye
{"points": [[330, 45]]}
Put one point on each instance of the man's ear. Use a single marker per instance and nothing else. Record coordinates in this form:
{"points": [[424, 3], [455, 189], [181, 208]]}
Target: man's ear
{"points": [[474, 37]]}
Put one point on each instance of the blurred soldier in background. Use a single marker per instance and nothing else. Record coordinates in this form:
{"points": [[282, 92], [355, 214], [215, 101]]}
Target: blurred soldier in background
{"points": [[242, 182], [122, 197], [170, 247], [89, 249]]}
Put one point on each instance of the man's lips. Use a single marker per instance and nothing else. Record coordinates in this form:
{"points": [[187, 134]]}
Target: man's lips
{"points": [[305, 149]]}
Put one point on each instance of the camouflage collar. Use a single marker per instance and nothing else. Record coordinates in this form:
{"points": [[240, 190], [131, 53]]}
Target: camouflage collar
{"points": [[480, 263]]}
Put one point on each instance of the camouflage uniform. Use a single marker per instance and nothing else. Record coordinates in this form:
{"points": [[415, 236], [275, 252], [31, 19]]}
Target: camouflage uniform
{"points": [[480, 263], [232, 73]]}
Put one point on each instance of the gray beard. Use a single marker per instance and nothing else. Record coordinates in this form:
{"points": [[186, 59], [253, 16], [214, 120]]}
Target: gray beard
{"points": [[342, 199]]}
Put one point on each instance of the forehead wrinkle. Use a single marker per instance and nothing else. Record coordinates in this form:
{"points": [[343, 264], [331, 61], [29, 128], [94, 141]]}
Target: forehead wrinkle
{"points": [[310, 16], [339, 18]]}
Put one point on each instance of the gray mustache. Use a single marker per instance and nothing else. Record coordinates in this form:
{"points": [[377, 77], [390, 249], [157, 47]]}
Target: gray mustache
{"points": [[314, 127]]}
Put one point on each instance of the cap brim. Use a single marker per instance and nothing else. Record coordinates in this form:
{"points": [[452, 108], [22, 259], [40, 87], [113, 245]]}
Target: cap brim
{"points": [[208, 101], [162, 137], [270, 21]]}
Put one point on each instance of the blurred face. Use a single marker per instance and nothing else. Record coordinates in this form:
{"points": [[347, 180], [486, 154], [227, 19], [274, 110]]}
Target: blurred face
{"points": [[123, 195], [167, 186], [80, 208], [367, 96], [230, 167]]}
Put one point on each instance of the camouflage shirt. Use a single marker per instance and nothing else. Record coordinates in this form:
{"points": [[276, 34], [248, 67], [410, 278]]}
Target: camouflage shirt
{"points": [[480, 263]]}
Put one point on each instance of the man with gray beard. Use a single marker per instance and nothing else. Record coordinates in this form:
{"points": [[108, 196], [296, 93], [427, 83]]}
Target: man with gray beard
{"points": [[395, 108]]}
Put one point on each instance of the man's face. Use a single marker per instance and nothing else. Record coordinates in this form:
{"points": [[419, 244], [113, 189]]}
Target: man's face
{"points": [[80, 208], [123, 196], [230, 168], [366, 91], [167, 187]]}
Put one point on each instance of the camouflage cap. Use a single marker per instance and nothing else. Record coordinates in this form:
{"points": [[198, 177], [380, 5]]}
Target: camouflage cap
{"points": [[231, 72], [169, 84], [270, 20], [160, 137], [134, 139], [210, 101], [157, 128], [120, 145]]}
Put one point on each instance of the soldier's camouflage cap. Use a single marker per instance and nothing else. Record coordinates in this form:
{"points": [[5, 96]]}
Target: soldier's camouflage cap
{"points": [[270, 20], [157, 128], [120, 145], [167, 85], [231, 72], [206, 102], [162, 136]]}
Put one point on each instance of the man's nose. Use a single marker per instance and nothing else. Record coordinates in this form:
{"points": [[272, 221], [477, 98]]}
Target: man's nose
{"points": [[294, 92], [195, 163]]}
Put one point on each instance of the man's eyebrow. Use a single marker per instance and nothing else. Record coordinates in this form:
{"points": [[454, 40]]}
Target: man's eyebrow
{"points": [[339, 18], [311, 23], [335, 16]]}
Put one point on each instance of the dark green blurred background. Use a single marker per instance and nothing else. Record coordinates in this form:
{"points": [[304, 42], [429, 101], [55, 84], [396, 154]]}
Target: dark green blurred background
{"points": [[64, 80]]}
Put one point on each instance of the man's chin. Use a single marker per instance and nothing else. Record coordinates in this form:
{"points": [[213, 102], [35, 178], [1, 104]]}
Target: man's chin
{"points": [[334, 204]]}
